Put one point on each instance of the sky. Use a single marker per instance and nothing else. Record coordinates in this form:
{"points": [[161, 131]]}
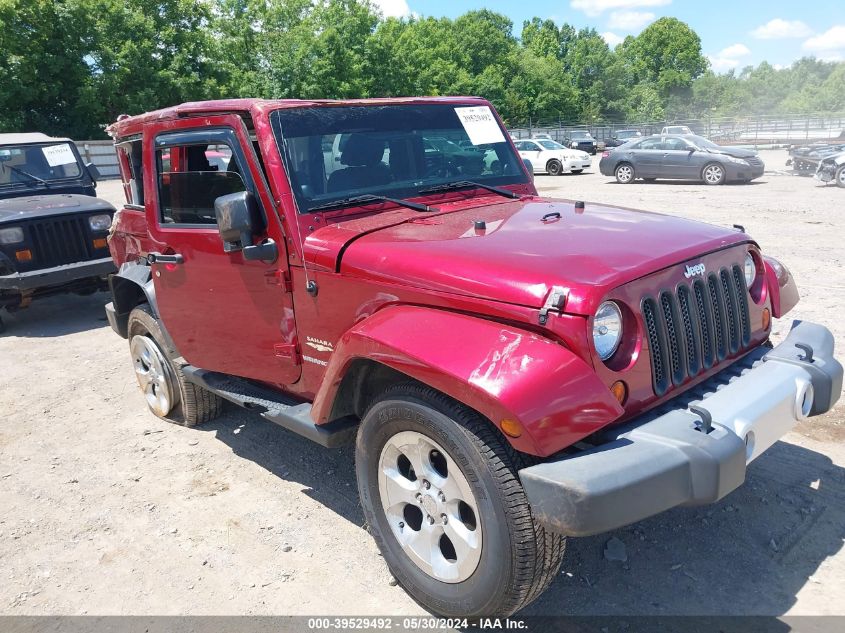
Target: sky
{"points": [[734, 33]]}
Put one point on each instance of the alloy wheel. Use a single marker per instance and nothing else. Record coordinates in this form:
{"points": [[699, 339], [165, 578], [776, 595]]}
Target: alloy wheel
{"points": [[713, 174], [430, 507], [153, 374]]}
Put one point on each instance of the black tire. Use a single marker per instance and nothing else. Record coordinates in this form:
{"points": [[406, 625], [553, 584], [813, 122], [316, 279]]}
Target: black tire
{"points": [[518, 559], [554, 167], [708, 174], [196, 405], [840, 176], [624, 173]]}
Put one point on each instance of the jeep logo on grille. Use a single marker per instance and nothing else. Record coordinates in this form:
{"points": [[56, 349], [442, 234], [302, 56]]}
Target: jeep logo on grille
{"points": [[692, 271]]}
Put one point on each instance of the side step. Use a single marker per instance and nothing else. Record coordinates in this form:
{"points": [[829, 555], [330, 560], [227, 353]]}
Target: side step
{"points": [[287, 412]]}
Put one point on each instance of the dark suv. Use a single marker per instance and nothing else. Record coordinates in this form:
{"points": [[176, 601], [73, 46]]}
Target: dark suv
{"points": [[53, 231]]}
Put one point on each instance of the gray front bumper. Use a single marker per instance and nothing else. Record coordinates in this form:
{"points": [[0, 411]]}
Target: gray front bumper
{"points": [[665, 459], [57, 275]]}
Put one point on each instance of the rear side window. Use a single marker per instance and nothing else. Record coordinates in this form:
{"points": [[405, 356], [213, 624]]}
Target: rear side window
{"points": [[650, 143], [191, 178]]}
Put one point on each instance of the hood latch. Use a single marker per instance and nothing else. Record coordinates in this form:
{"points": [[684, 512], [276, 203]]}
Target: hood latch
{"points": [[555, 301]]}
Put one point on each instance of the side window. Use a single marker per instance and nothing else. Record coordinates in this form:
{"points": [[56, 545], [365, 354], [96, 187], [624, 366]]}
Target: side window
{"points": [[191, 177], [651, 143], [675, 144], [132, 170]]}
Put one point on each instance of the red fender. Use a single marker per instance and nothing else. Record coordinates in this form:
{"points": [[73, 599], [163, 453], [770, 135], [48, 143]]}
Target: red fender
{"points": [[501, 371]]}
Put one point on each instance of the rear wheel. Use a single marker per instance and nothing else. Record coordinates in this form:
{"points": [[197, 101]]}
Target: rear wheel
{"points": [[840, 176], [554, 167], [624, 173], [713, 174], [160, 378], [441, 494]]}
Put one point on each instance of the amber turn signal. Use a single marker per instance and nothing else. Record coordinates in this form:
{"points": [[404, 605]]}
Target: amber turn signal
{"points": [[101, 242], [24, 256], [511, 428], [620, 391], [767, 318]]}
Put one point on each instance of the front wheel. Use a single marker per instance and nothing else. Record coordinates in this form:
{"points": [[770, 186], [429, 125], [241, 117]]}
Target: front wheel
{"points": [[624, 173], [441, 494], [713, 174], [840, 176], [554, 167]]}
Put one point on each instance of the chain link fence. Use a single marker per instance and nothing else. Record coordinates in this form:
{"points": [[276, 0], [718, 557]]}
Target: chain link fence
{"points": [[757, 130]]}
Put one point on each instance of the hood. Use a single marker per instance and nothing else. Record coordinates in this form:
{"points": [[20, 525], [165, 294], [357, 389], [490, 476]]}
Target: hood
{"points": [[736, 152], [518, 257], [53, 204]]}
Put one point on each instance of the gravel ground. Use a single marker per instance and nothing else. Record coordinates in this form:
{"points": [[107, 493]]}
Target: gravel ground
{"points": [[107, 510]]}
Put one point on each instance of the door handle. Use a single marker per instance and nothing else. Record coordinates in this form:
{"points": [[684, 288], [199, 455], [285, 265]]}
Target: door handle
{"points": [[158, 258]]}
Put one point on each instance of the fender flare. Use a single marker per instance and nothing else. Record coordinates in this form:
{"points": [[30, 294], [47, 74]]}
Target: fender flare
{"points": [[501, 371], [130, 286]]}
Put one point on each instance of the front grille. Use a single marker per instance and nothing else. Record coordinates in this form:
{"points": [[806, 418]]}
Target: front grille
{"points": [[754, 161], [62, 240], [696, 326]]}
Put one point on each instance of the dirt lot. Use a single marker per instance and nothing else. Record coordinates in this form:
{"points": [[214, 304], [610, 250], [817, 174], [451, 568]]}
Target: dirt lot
{"points": [[106, 510]]}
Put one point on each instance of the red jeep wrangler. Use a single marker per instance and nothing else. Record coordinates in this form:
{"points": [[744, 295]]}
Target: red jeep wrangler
{"points": [[513, 369]]}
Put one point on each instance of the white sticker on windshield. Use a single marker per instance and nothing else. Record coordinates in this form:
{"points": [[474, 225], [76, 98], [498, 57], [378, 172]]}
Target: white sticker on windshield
{"points": [[58, 155], [480, 125]]}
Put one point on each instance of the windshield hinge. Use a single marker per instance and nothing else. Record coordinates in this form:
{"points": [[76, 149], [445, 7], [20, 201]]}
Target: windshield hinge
{"points": [[555, 301]]}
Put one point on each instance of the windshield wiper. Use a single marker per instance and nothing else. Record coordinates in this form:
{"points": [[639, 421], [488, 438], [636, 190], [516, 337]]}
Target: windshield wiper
{"points": [[367, 199], [26, 173], [463, 184]]}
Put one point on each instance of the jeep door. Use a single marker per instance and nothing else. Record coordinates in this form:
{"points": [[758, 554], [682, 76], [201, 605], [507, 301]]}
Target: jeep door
{"points": [[224, 313]]}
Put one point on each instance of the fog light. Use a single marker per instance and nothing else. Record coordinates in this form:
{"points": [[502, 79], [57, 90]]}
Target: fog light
{"points": [[101, 242], [511, 428], [620, 391], [767, 318], [24, 256]]}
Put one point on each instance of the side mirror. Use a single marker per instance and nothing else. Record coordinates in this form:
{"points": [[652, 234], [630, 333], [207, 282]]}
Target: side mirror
{"points": [[529, 167], [93, 171], [238, 220]]}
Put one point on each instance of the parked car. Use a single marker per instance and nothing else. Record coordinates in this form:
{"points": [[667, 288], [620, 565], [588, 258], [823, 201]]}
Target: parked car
{"points": [[676, 129], [832, 169], [552, 158], [685, 157], [496, 357], [583, 140], [805, 159], [620, 137], [52, 229]]}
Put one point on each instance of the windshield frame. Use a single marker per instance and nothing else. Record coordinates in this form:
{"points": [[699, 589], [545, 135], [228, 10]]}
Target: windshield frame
{"points": [[519, 177], [34, 182]]}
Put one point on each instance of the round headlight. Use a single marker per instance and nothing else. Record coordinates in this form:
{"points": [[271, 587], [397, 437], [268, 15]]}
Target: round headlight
{"points": [[607, 329], [750, 270], [99, 222]]}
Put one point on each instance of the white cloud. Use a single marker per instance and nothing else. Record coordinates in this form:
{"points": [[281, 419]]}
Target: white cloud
{"points": [[629, 20], [779, 29], [728, 57], [830, 41], [735, 50], [597, 7], [393, 8], [612, 39]]}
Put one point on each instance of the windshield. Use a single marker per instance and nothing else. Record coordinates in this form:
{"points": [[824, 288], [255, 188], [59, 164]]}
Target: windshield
{"points": [[32, 165], [333, 153], [702, 142], [551, 145]]}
